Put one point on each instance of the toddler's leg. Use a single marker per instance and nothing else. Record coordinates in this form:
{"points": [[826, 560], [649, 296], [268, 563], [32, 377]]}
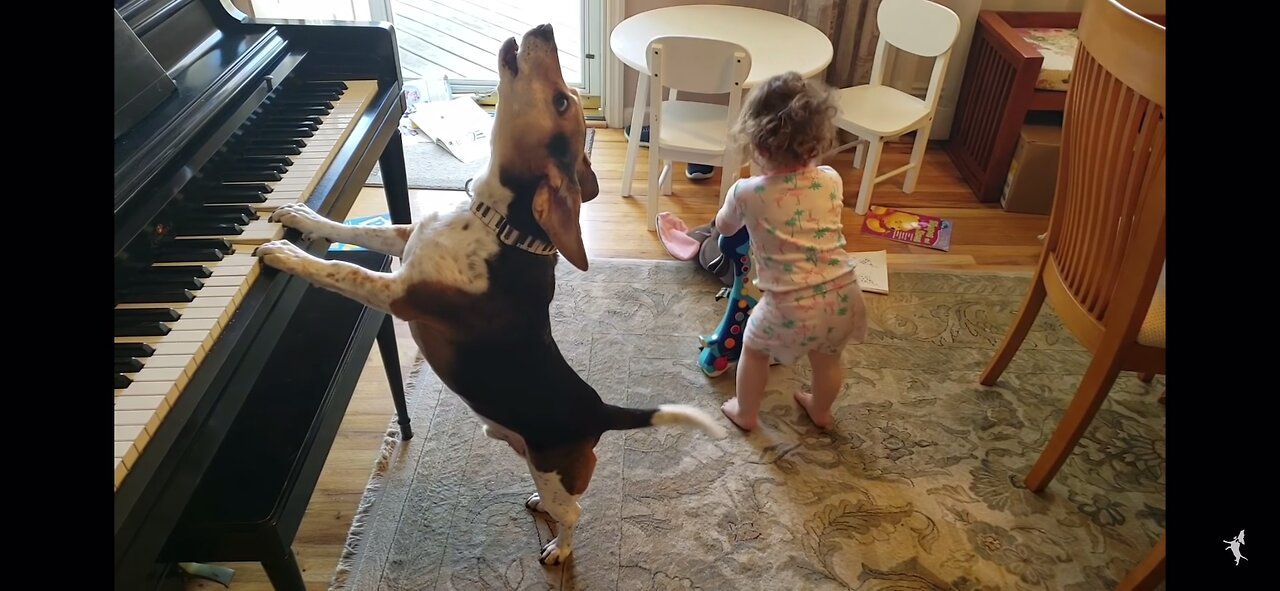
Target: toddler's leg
{"points": [[753, 376], [828, 377]]}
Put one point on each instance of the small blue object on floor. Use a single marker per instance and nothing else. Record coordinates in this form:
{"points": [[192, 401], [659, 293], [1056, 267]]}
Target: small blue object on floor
{"points": [[697, 172], [379, 220]]}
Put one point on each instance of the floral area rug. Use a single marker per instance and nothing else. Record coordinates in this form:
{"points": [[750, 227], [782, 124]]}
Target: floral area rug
{"points": [[919, 487]]}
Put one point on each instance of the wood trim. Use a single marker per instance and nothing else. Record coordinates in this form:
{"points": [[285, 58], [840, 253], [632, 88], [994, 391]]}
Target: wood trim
{"points": [[614, 99]]}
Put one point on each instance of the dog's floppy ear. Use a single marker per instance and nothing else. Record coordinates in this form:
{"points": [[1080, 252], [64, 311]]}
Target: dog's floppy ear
{"points": [[587, 179], [555, 206]]}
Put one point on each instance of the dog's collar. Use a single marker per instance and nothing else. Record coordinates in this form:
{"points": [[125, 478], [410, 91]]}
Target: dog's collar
{"points": [[506, 233]]}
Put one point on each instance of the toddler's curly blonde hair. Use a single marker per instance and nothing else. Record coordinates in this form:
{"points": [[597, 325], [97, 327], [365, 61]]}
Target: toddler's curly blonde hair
{"points": [[787, 121]]}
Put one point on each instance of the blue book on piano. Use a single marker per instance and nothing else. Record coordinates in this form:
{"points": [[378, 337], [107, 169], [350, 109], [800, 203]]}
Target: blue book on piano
{"points": [[381, 219]]}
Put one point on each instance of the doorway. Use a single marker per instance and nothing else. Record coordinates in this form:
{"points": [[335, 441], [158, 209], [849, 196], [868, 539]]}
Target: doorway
{"points": [[458, 40]]}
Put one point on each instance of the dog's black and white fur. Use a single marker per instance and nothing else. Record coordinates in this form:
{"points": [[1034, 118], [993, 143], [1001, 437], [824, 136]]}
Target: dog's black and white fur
{"points": [[475, 285]]}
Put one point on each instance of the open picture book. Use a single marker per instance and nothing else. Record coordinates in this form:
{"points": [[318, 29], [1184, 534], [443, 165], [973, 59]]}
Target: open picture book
{"points": [[873, 271], [459, 126]]}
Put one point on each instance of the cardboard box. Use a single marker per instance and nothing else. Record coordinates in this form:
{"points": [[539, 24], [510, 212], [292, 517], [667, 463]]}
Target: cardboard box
{"points": [[1034, 170]]}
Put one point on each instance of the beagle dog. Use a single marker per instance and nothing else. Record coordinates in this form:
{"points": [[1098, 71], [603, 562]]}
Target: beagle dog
{"points": [[475, 285]]}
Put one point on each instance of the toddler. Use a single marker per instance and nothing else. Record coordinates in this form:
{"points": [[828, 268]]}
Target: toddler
{"points": [[812, 304]]}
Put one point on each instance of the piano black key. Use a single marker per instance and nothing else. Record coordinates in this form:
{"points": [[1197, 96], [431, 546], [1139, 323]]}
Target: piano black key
{"points": [[303, 100], [148, 314], [149, 295], [325, 84], [266, 142], [243, 187], [310, 111], [246, 159], [251, 177], [312, 122], [231, 190], [210, 229], [167, 282], [232, 167], [198, 244], [289, 150], [233, 198], [206, 255], [122, 381], [133, 350], [289, 131], [181, 271], [141, 329], [215, 217], [269, 130], [294, 125], [128, 365]]}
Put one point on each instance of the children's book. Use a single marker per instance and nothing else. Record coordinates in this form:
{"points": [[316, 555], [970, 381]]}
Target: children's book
{"points": [[369, 221], [908, 228], [873, 271]]}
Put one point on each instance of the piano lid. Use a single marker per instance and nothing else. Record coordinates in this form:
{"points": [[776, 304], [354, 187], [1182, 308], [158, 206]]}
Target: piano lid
{"points": [[140, 83], [213, 62]]}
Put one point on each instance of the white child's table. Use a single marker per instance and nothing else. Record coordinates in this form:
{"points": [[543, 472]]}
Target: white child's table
{"points": [[777, 43]]}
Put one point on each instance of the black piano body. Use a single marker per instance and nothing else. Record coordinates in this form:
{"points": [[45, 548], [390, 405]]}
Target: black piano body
{"points": [[206, 102]]}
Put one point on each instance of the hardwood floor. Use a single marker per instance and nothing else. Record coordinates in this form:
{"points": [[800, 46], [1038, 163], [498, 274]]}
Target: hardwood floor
{"points": [[985, 238]]}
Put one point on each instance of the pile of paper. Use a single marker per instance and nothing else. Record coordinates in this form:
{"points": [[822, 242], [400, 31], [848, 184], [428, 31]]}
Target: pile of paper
{"points": [[459, 126]]}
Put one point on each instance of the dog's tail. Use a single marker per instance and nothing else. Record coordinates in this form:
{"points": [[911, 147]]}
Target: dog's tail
{"points": [[618, 418]]}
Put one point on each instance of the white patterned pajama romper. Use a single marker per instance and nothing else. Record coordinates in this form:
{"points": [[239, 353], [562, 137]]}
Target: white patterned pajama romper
{"points": [[811, 296]]}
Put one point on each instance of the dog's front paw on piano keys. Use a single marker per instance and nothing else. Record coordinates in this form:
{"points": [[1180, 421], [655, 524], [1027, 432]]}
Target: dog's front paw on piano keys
{"points": [[303, 219], [282, 255]]}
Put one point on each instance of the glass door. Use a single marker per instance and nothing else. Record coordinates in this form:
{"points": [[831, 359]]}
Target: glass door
{"points": [[458, 40]]}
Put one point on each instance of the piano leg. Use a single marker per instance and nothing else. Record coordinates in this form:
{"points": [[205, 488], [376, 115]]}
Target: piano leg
{"points": [[391, 362], [395, 180], [284, 572]]}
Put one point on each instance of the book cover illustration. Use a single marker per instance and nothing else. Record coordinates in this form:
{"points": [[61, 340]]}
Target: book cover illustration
{"points": [[908, 228]]}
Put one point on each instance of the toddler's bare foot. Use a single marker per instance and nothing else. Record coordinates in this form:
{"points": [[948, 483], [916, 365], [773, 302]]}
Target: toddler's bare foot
{"points": [[732, 411], [823, 420]]}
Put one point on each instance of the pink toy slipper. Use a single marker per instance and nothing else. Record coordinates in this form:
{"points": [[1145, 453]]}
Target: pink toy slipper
{"points": [[674, 236]]}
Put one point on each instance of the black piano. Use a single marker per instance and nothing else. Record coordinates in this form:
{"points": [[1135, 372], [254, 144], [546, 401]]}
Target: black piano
{"points": [[231, 379]]}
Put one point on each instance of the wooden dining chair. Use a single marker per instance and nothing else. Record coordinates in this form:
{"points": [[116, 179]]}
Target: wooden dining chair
{"points": [[1105, 249], [1103, 260], [1104, 253]]}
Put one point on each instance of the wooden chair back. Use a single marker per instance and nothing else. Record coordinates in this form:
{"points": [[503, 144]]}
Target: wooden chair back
{"points": [[1106, 241]]}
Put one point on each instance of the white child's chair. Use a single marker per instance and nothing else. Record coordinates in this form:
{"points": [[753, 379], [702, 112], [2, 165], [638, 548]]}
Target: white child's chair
{"points": [[875, 112], [685, 131]]}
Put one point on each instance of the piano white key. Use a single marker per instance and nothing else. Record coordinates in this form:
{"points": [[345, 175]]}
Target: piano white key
{"points": [[256, 232], [140, 402], [222, 280], [143, 404], [127, 452], [175, 375], [148, 420], [167, 361], [300, 180]]}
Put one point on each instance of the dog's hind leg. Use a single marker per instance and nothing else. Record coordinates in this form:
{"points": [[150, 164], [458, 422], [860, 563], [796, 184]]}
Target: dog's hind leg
{"points": [[375, 290], [388, 240], [561, 475]]}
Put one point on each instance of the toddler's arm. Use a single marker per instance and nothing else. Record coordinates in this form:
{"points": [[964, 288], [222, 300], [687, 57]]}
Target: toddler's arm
{"points": [[729, 218]]}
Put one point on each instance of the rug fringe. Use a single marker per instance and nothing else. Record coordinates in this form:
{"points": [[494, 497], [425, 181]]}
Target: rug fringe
{"points": [[355, 535]]}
